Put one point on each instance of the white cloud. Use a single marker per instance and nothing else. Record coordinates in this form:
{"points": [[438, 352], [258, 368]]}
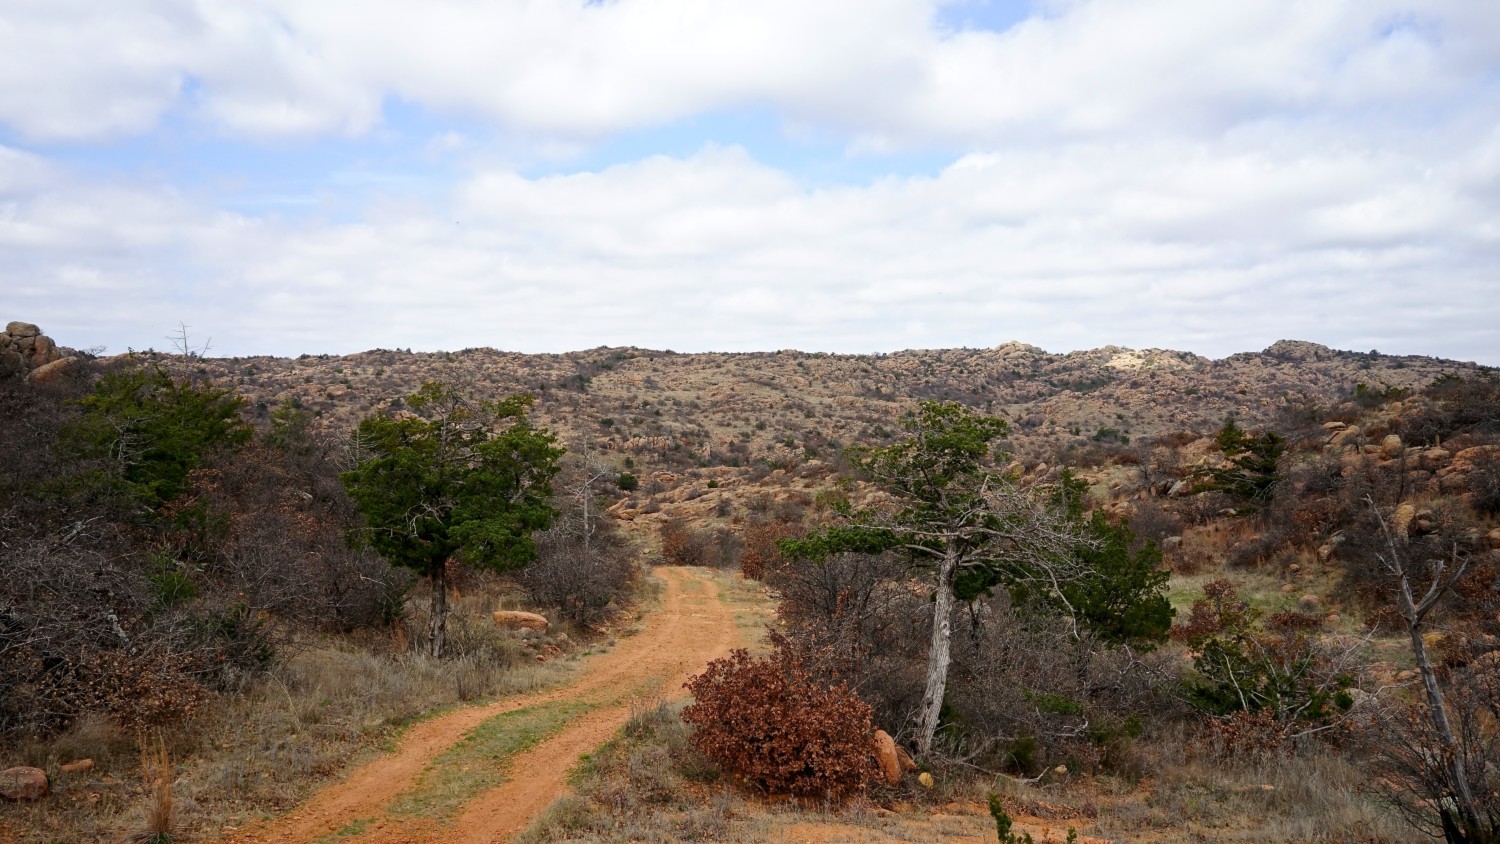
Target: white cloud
{"points": [[1155, 243], [76, 69], [1146, 172], [883, 71]]}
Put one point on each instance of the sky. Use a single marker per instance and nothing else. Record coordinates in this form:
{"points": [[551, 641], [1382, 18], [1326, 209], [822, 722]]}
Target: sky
{"points": [[287, 177]]}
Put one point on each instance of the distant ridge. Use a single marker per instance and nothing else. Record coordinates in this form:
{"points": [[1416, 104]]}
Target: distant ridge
{"points": [[677, 410]]}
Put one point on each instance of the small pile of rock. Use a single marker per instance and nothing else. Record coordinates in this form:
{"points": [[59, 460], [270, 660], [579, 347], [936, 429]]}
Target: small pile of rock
{"points": [[892, 758]]}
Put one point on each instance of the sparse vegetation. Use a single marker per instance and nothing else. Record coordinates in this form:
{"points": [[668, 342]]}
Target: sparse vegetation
{"points": [[178, 559]]}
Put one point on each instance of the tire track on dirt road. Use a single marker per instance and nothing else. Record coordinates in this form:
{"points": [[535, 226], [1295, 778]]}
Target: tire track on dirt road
{"points": [[691, 627]]}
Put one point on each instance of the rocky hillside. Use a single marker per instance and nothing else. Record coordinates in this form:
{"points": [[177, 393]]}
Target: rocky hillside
{"points": [[715, 435], [673, 411]]}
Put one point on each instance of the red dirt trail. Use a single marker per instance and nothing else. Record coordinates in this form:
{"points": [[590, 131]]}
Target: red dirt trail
{"points": [[691, 627]]}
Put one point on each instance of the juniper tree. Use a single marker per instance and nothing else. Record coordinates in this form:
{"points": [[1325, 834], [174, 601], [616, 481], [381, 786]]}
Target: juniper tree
{"points": [[1251, 474], [453, 479], [143, 431], [1122, 599]]}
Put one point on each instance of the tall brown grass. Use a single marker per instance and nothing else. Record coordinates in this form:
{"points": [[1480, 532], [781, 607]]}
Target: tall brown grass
{"points": [[331, 702], [156, 771]]}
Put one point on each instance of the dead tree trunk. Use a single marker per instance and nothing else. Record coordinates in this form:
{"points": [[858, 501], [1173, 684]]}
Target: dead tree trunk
{"points": [[437, 619], [939, 651], [1467, 827]]}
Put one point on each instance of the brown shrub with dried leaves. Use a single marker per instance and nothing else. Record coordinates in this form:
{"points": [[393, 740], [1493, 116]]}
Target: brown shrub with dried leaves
{"points": [[761, 554], [769, 722]]}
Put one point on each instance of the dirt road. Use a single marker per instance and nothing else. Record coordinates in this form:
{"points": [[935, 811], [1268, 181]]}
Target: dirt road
{"points": [[692, 627]]}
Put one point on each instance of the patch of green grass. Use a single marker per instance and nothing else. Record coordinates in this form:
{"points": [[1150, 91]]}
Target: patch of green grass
{"points": [[397, 728], [525, 679], [480, 760], [353, 828]]}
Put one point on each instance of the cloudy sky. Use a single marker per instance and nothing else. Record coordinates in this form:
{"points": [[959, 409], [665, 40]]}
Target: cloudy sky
{"points": [[286, 176]]}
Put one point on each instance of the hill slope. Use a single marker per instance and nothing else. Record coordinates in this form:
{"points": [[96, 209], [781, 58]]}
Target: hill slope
{"points": [[674, 411]]}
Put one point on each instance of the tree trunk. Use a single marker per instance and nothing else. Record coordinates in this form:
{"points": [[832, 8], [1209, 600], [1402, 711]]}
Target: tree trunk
{"points": [[588, 493], [1452, 753], [437, 616], [938, 653]]}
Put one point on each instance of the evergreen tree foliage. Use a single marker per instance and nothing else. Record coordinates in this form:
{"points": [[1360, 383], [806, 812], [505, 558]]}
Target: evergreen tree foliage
{"points": [[143, 431], [1121, 599], [1252, 474], [448, 481]]}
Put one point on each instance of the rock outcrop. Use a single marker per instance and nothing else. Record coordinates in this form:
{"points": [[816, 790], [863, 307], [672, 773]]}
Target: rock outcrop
{"points": [[49, 372], [1391, 447], [886, 756], [24, 348], [1402, 518]]}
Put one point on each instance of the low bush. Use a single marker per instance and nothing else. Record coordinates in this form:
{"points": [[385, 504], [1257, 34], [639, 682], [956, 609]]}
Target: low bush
{"points": [[769, 722], [1484, 484], [682, 545], [583, 580], [1454, 405], [761, 554], [1153, 521], [1280, 669]]}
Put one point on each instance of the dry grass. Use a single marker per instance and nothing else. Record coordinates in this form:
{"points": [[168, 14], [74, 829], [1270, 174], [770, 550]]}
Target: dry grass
{"points": [[156, 770], [329, 703], [751, 603], [1318, 795], [647, 785]]}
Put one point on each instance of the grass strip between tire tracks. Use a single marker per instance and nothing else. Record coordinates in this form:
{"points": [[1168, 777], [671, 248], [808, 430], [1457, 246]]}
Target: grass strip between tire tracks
{"points": [[480, 761]]}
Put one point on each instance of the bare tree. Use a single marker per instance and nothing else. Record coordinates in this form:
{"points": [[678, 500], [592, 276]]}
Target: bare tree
{"points": [[1445, 771], [581, 487]]}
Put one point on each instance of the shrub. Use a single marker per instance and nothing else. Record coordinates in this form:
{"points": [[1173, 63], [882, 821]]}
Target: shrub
{"points": [[682, 545], [1281, 668], [1455, 405], [1252, 474], [271, 525], [1484, 484], [770, 723], [1152, 521], [627, 482], [761, 553], [145, 431], [583, 580], [1122, 601]]}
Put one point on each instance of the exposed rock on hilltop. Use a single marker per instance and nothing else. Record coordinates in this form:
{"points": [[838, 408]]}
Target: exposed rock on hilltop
{"points": [[1298, 351], [26, 351], [671, 412]]}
